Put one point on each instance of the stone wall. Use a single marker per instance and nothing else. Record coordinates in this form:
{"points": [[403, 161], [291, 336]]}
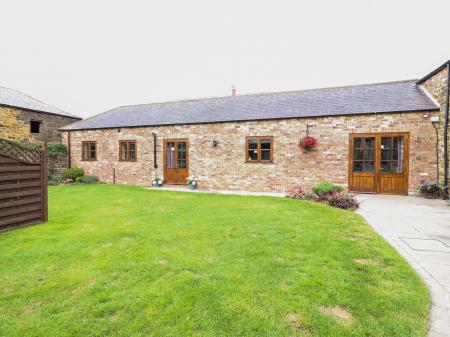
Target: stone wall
{"points": [[15, 124], [56, 164], [437, 86], [224, 167]]}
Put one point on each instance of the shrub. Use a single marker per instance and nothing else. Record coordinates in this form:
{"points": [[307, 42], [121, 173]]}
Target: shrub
{"points": [[73, 173], [325, 189], [88, 179], [28, 144], [56, 148], [296, 193], [343, 200]]}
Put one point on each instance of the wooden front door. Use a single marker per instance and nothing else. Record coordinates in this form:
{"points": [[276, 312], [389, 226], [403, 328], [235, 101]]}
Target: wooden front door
{"points": [[378, 163], [176, 161]]}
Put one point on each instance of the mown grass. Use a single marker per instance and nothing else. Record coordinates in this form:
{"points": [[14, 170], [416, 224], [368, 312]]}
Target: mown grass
{"points": [[129, 261]]}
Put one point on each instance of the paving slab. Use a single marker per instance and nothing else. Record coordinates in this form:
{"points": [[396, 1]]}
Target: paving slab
{"points": [[419, 229]]}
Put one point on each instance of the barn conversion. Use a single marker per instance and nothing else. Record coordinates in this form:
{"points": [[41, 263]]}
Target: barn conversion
{"points": [[376, 138]]}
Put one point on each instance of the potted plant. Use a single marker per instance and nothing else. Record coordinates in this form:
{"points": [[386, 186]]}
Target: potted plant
{"points": [[157, 181], [192, 183], [307, 143], [430, 188]]}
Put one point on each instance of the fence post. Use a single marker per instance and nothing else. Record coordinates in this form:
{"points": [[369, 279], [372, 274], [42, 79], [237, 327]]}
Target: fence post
{"points": [[44, 183]]}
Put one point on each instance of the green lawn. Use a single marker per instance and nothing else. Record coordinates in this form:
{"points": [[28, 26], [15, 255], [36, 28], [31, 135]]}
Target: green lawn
{"points": [[129, 261]]}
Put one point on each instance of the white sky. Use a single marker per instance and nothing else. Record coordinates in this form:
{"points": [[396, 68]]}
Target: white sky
{"points": [[86, 57]]}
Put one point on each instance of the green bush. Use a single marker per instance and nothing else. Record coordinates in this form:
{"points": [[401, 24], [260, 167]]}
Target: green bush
{"points": [[88, 179], [73, 173], [29, 144], [56, 148], [326, 188]]}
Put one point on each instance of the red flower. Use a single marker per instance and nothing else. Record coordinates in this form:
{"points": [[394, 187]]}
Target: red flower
{"points": [[307, 143]]}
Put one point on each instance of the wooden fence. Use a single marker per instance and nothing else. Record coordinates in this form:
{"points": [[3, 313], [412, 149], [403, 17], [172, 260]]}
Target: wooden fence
{"points": [[23, 185]]}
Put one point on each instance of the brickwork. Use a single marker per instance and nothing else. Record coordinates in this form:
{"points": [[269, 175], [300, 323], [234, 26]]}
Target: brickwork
{"points": [[436, 86], [224, 167], [15, 124]]}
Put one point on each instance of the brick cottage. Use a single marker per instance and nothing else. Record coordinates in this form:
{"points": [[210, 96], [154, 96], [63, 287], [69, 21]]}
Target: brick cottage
{"points": [[377, 138]]}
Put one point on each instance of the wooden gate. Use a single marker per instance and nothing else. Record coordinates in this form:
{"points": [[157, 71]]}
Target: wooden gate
{"points": [[23, 185]]}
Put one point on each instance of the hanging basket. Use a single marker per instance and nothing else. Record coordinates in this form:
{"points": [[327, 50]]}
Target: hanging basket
{"points": [[307, 143]]}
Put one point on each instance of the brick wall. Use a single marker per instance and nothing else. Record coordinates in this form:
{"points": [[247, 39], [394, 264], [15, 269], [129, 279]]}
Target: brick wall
{"points": [[223, 167], [436, 86], [15, 124]]}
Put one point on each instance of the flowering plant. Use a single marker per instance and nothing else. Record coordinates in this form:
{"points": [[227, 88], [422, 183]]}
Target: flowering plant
{"points": [[191, 181], [157, 181], [429, 187], [307, 143]]}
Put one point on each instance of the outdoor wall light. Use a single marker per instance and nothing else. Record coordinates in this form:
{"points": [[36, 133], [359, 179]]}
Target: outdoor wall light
{"points": [[215, 143]]}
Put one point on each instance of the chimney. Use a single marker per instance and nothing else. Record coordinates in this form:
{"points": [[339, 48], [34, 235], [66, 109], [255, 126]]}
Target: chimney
{"points": [[233, 90]]}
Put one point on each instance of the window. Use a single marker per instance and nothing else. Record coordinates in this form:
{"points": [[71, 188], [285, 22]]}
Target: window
{"points": [[89, 151], [392, 154], [364, 154], [127, 150], [259, 149], [35, 126]]}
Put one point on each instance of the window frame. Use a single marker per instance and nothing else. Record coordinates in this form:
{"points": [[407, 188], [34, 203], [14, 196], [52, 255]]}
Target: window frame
{"points": [[88, 142], [39, 123], [128, 142], [259, 139]]}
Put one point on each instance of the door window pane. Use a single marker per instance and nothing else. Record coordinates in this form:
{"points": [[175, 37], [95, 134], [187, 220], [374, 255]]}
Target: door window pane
{"points": [[170, 155], [368, 166], [357, 166], [391, 154], [364, 154], [358, 154], [369, 143]]}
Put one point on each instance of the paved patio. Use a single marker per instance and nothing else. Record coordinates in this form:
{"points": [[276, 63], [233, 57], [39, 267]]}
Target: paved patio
{"points": [[420, 230]]}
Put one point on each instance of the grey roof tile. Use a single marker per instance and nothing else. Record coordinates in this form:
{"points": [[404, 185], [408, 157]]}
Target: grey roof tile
{"points": [[16, 98], [361, 99]]}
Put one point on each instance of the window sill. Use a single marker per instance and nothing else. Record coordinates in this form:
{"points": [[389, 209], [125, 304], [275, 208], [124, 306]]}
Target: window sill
{"points": [[259, 162]]}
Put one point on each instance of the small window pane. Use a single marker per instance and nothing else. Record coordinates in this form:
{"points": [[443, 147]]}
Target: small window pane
{"points": [[386, 154], [370, 155], [265, 155], [386, 142], [368, 166], [357, 143], [252, 154], [252, 144], [369, 143], [385, 166], [132, 155], [358, 154], [357, 166], [265, 144]]}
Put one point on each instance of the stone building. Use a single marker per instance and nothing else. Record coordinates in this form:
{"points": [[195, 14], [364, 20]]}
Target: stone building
{"points": [[376, 138], [24, 117]]}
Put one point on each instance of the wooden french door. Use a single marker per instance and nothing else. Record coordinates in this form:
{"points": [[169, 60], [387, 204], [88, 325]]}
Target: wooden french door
{"points": [[378, 163], [176, 161]]}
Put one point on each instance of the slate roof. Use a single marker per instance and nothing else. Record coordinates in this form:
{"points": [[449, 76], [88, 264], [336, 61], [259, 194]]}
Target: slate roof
{"points": [[16, 98], [360, 99]]}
